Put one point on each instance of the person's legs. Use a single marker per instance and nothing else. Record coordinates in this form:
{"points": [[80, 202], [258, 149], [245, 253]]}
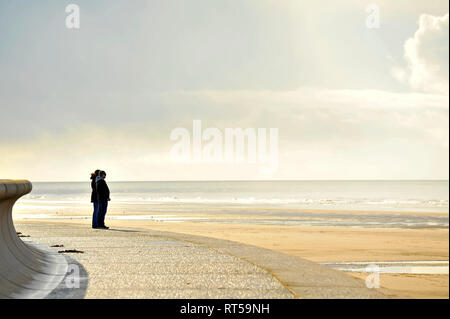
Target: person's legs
{"points": [[95, 215], [102, 212]]}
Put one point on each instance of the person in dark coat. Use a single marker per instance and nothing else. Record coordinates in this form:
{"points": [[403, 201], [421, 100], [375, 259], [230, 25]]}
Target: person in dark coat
{"points": [[94, 199], [103, 198]]}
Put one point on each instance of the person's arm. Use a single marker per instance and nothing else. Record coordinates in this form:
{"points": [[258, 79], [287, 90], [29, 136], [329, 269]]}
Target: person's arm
{"points": [[101, 188]]}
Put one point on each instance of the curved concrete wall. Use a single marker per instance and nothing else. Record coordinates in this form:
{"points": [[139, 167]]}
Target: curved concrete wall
{"points": [[26, 270]]}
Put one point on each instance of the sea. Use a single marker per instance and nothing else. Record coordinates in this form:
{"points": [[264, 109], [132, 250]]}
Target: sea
{"points": [[314, 203]]}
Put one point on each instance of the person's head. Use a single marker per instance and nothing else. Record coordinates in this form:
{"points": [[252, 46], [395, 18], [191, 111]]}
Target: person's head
{"points": [[102, 174], [95, 174]]}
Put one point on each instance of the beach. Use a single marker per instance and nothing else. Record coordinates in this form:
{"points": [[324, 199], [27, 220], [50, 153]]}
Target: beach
{"points": [[407, 239], [322, 244]]}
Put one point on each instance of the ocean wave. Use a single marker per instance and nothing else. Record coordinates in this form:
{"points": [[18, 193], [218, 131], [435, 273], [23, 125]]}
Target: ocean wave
{"points": [[303, 201], [247, 201]]}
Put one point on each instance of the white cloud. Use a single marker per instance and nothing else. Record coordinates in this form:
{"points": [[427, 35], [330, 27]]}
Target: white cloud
{"points": [[324, 134], [426, 54], [109, 94]]}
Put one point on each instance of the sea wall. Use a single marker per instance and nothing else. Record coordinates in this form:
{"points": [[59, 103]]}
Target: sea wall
{"points": [[26, 270]]}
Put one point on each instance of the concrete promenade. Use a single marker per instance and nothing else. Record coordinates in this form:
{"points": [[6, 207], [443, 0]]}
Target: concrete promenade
{"points": [[67, 260], [127, 263]]}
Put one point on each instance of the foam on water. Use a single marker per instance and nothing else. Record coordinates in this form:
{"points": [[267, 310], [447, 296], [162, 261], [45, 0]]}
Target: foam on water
{"points": [[373, 195], [286, 203]]}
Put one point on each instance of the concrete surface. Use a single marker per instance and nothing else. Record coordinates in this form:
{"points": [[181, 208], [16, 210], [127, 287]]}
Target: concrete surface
{"points": [[133, 263]]}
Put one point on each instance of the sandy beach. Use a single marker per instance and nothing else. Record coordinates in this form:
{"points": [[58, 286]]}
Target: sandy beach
{"points": [[319, 244]]}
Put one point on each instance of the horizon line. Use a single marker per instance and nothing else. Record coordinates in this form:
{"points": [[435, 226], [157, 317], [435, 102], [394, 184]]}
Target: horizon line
{"points": [[258, 180]]}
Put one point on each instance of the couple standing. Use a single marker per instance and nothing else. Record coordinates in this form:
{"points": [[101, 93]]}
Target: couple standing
{"points": [[100, 198]]}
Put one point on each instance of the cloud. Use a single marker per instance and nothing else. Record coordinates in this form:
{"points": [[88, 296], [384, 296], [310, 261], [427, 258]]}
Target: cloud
{"points": [[426, 55], [324, 133], [109, 94]]}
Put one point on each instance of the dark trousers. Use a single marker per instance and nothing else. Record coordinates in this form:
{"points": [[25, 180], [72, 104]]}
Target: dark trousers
{"points": [[102, 209], [95, 215]]}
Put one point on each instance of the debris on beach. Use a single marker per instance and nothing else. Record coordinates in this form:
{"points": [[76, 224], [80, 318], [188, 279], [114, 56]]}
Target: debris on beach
{"points": [[72, 251], [57, 246]]}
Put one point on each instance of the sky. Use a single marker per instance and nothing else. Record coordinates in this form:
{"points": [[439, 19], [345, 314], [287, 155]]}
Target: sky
{"points": [[349, 101]]}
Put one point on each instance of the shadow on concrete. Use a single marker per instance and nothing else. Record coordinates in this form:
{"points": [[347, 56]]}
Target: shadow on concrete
{"points": [[74, 284], [124, 230]]}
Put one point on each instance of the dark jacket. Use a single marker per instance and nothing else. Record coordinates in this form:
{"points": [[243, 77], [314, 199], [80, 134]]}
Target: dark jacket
{"points": [[102, 190], [94, 191]]}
